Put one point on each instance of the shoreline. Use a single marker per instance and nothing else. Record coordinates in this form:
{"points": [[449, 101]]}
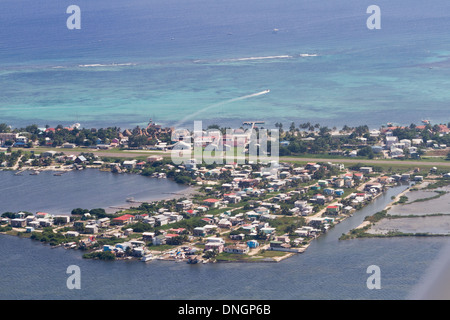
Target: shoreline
{"points": [[413, 225], [188, 193]]}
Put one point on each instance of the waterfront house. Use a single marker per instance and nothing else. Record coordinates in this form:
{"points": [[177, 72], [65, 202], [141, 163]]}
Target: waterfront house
{"points": [[18, 223], [237, 248], [42, 215], [123, 246], [129, 164], [217, 246], [61, 220], [80, 159], [140, 165]]}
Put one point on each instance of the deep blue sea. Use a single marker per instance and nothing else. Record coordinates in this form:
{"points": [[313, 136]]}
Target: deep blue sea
{"points": [[167, 60]]}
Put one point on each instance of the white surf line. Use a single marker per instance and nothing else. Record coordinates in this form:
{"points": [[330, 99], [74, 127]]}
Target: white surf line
{"points": [[221, 104]]}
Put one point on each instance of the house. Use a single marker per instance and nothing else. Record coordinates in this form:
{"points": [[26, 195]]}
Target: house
{"points": [[334, 210], [199, 232], [252, 244], [104, 222], [42, 215], [68, 145], [125, 219], [159, 240], [390, 140], [18, 223], [366, 169], [217, 246], [72, 234], [80, 159], [148, 236], [91, 229], [225, 224], [140, 165], [319, 199], [129, 164], [61, 219], [267, 230], [215, 239], [21, 141], [184, 205], [152, 159], [45, 222], [237, 248], [212, 203], [358, 176], [48, 154], [161, 220], [302, 232]]}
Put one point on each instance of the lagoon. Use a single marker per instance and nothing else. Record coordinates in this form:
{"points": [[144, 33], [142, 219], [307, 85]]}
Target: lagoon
{"points": [[87, 189]]}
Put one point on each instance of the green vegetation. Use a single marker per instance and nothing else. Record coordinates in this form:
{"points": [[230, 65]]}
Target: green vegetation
{"points": [[48, 236], [5, 228], [104, 255], [402, 200], [438, 184], [439, 194]]}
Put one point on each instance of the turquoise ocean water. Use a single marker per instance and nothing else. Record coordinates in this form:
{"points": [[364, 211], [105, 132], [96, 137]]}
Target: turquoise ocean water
{"points": [[167, 60]]}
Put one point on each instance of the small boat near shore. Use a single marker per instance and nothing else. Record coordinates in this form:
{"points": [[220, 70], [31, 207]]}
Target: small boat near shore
{"points": [[147, 258]]}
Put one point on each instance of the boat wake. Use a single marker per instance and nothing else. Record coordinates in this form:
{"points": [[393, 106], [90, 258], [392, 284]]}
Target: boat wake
{"points": [[106, 65], [221, 104]]}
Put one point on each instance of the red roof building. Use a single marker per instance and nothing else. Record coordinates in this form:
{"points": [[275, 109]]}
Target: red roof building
{"points": [[127, 218]]}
